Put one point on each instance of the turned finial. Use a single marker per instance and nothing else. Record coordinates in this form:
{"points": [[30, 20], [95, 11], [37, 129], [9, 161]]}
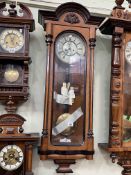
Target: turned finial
{"points": [[119, 3], [12, 11]]}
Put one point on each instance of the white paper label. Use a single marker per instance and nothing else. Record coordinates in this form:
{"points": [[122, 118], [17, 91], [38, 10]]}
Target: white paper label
{"points": [[70, 124], [65, 124], [61, 99]]}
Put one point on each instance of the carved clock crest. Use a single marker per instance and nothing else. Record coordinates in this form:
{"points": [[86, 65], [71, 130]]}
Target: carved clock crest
{"points": [[72, 18]]}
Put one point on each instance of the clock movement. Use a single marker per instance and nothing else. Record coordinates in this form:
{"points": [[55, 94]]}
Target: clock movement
{"points": [[67, 128], [16, 147], [119, 26]]}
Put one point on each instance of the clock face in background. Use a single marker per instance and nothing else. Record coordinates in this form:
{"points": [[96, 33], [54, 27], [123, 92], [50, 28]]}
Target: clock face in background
{"points": [[12, 40], [70, 47], [128, 52], [11, 157]]}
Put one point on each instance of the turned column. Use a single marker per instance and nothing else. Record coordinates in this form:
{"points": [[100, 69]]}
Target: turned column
{"points": [[29, 153], [116, 88]]}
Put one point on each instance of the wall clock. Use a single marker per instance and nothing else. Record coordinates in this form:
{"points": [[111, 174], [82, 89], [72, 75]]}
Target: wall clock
{"points": [[14, 53], [16, 147], [67, 130], [119, 26]]}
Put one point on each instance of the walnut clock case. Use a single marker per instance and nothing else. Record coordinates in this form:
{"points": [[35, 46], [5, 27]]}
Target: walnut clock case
{"points": [[67, 131], [119, 26], [16, 147]]}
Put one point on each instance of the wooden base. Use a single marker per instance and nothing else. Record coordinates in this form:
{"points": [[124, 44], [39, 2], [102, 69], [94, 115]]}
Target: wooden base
{"points": [[64, 166], [124, 160], [126, 171], [121, 155]]}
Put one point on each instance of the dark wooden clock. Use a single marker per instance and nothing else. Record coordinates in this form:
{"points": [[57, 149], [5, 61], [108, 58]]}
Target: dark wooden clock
{"points": [[67, 131], [16, 147], [119, 26], [14, 53]]}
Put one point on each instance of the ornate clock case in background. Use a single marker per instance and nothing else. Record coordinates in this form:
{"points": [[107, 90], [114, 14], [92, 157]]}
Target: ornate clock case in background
{"points": [[67, 131], [119, 26], [16, 147], [14, 54]]}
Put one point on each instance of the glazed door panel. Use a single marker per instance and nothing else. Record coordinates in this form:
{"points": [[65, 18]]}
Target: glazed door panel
{"points": [[69, 90]]}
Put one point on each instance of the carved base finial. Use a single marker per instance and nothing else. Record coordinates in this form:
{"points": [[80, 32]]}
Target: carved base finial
{"points": [[64, 166], [124, 160], [126, 171], [126, 164], [10, 105]]}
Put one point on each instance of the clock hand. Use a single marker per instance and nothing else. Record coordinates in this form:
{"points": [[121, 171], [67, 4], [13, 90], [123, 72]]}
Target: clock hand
{"points": [[12, 37], [67, 50]]}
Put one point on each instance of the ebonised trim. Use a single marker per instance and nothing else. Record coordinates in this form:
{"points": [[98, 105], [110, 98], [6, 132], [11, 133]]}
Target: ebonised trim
{"points": [[75, 152]]}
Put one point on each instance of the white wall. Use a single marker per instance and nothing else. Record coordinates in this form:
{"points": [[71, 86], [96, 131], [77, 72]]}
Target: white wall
{"points": [[95, 6], [33, 109]]}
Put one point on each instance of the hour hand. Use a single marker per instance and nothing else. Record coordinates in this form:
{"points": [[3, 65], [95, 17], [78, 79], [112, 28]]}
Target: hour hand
{"points": [[12, 39]]}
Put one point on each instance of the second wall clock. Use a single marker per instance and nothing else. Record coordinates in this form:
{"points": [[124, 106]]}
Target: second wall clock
{"points": [[68, 117], [14, 54], [119, 26]]}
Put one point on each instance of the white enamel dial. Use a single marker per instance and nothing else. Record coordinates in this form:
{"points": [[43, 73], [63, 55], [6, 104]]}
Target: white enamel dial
{"points": [[12, 40], [128, 52], [70, 47], [11, 157]]}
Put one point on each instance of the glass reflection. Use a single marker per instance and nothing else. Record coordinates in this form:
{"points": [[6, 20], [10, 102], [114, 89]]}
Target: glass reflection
{"points": [[127, 95]]}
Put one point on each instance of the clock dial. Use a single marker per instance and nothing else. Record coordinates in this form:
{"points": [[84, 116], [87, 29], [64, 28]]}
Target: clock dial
{"points": [[128, 52], [70, 47], [11, 157], [12, 40]]}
